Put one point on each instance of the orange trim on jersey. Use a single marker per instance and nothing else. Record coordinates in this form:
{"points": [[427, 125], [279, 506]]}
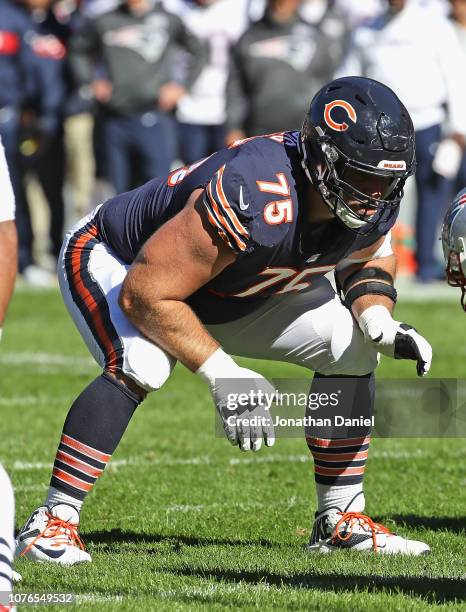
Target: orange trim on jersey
{"points": [[77, 483], [77, 464], [275, 136], [88, 299], [341, 456], [325, 443], [84, 449], [218, 227], [226, 205], [221, 219], [348, 471]]}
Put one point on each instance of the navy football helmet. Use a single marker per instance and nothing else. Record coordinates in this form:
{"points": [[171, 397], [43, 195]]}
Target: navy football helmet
{"points": [[357, 129]]}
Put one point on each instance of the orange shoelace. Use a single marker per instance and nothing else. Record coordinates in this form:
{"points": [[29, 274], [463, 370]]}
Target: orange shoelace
{"points": [[63, 531], [354, 518]]}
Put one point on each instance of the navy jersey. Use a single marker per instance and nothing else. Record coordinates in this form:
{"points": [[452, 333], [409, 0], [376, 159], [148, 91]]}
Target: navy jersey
{"points": [[256, 198]]}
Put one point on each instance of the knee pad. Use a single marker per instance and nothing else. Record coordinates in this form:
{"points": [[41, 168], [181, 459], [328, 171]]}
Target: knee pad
{"points": [[147, 364]]}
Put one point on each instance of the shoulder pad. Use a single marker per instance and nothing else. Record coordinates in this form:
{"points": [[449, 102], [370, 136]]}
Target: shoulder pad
{"points": [[247, 202]]}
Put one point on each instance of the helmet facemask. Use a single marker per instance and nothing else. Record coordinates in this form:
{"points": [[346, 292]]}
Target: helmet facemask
{"points": [[454, 248], [335, 176], [455, 275]]}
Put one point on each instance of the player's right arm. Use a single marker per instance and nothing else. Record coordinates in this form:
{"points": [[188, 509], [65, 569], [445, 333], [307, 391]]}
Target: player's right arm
{"points": [[182, 256]]}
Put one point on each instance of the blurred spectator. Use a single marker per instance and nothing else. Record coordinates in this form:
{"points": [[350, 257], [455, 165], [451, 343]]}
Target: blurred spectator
{"points": [[16, 79], [332, 24], [359, 12], [42, 143], [125, 57], [415, 51], [276, 67], [94, 8], [458, 16], [201, 113], [27, 115], [78, 124]]}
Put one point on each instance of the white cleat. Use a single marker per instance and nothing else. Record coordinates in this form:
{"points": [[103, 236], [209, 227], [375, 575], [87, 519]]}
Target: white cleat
{"points": [[16, 577], [336, 530], [51, 535]]}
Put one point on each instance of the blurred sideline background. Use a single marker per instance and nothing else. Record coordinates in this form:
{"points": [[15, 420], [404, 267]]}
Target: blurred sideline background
{"points": [[102, 95]]}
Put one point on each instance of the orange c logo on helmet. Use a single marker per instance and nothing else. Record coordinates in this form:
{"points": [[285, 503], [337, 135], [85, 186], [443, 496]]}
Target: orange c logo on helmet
{"points": [[339, 127]]}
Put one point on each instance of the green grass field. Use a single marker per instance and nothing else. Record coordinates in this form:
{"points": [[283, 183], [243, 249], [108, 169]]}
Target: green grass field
{"points": [[183, 521]]}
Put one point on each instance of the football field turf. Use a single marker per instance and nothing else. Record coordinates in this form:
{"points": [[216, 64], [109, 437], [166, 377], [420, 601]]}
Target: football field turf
{"points": [[183, 521]]}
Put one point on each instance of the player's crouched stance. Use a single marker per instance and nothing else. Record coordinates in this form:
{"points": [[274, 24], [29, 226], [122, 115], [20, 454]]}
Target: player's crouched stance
{"points": [[232, 253]]}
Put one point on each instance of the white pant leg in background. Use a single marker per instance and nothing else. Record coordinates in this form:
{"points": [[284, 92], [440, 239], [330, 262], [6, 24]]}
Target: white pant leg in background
{"points": [[7, 518]]}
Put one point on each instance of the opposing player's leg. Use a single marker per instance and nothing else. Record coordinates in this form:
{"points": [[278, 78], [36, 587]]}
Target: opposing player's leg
{"points": [[7, 517], [90, 279], [313, 329]]}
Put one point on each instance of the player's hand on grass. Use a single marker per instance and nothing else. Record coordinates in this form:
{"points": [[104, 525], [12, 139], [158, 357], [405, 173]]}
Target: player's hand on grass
{"points": [[242, 398], [395, 339]]}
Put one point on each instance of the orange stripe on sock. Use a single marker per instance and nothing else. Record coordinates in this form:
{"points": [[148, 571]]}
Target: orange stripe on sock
{"points": [[348, 471], [84, 449], [77, 483], [78, 465], [340, 443], [341, 456]]}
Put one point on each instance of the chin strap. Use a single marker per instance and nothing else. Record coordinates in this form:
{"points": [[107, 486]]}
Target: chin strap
{"points": [[456, 278]]}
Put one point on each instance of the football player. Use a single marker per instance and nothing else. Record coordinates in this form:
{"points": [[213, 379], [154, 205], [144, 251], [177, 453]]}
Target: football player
{"points": [[454, 244], [8, 262], [228, 256]]}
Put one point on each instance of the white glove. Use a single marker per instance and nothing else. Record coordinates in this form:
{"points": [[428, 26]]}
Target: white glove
{"points": [[395, 339], [246, 424]]}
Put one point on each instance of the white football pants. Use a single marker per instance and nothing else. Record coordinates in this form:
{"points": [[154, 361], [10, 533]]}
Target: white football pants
{"points": [[7, 545]]}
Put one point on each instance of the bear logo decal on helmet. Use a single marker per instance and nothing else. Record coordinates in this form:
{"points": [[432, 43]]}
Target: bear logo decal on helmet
{"points": [[339, 127]]}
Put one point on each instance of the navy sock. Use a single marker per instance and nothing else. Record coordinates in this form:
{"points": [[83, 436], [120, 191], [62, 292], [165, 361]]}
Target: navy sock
{"points": [[93, 428]]}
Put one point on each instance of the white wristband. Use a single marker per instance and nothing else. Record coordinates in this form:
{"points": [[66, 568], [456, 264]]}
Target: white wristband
{"points": [[218, 365], [375, 320], [1, 332]]}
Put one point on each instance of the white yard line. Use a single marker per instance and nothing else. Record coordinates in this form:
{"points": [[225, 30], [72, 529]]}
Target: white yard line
{"points": [[24, 466], [56, 359], [34, 400], [210, 589], [96, 598], [30, 488], [289, 503]]}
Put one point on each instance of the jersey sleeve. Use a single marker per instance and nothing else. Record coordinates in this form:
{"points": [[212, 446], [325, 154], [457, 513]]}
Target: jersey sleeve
{"points": [[236, 207], [7, 199], [229, 209]]}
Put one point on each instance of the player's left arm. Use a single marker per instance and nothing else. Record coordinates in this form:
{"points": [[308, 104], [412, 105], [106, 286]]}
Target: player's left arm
{"points": [[367, 280], [8, 238]]}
